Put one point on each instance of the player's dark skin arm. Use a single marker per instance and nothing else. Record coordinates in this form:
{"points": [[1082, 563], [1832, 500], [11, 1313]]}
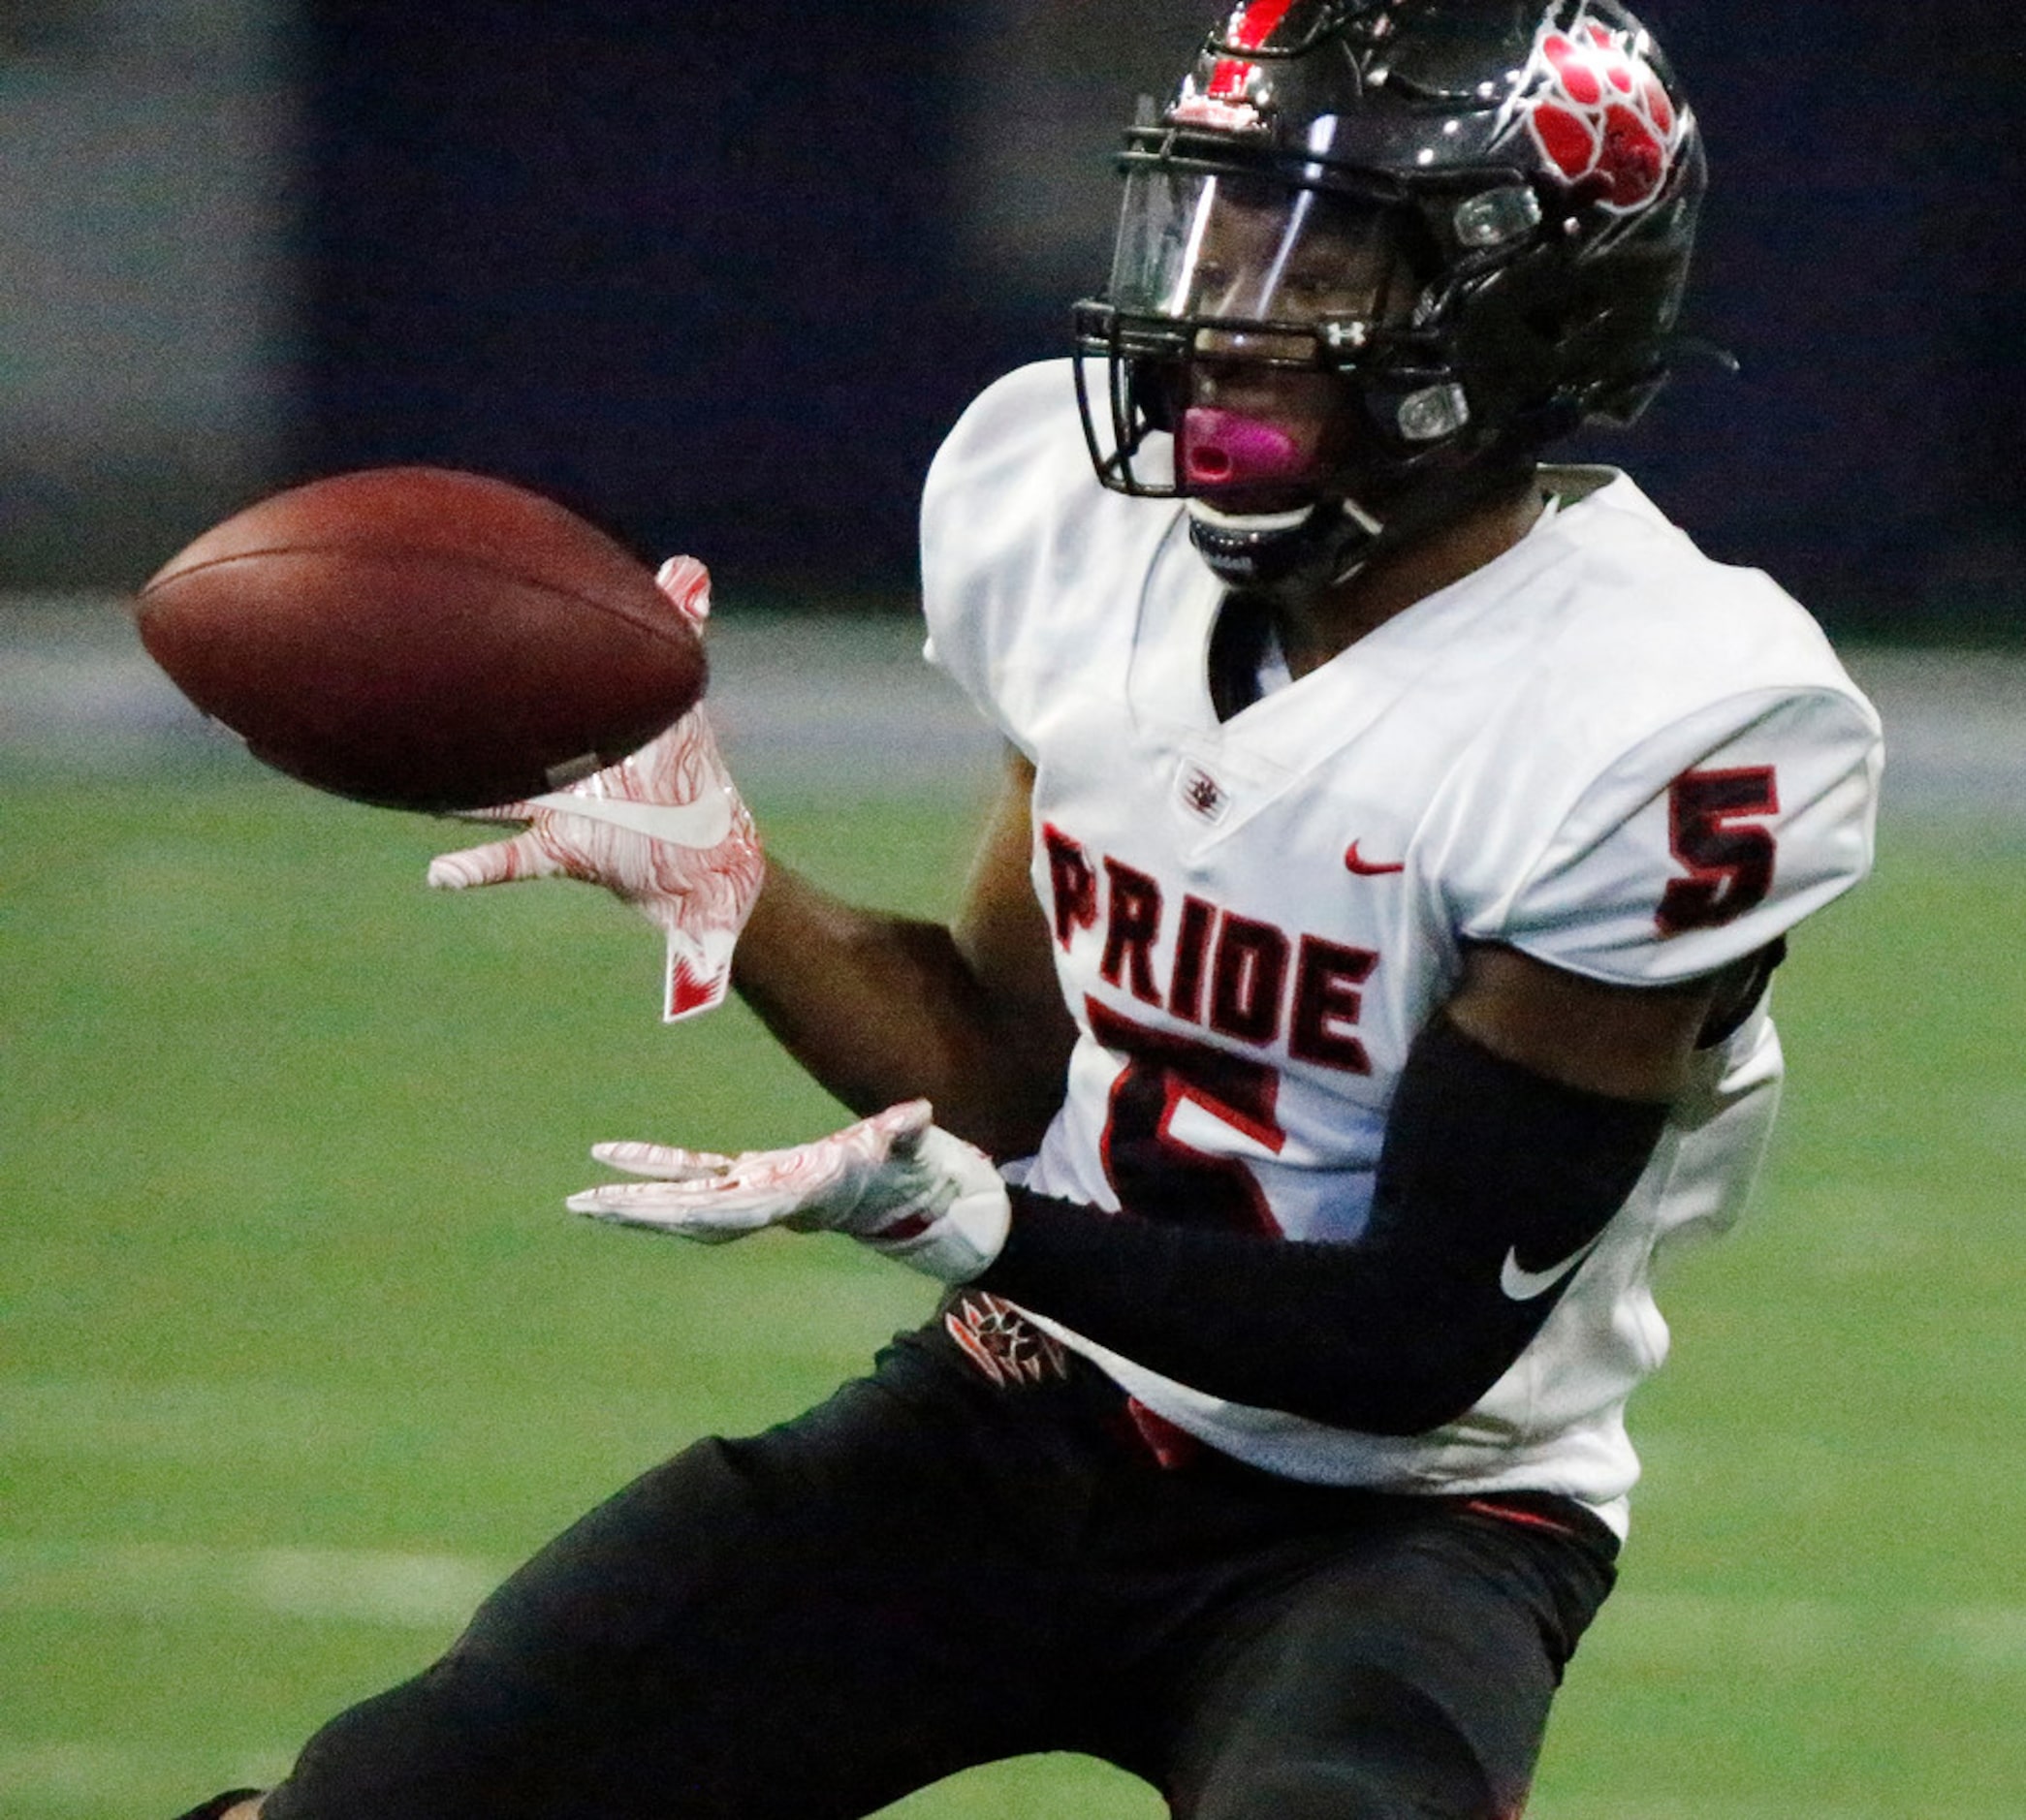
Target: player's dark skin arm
{"points": [[1624, 1042], [880, 1008], [1495, 1159], [1409, 1327]]}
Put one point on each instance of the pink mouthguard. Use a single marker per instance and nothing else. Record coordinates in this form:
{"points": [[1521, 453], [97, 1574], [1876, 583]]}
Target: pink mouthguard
{"points": [[1225, 449]]}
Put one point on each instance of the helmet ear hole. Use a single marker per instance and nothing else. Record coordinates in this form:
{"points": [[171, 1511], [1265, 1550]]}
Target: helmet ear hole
{"points": [[1620, 408]]}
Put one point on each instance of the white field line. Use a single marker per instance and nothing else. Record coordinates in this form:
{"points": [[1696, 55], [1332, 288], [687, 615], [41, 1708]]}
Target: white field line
{"points": [[321, 1584], [62, 1776], [817, 702], [245, 1423], [191, 1421], [1638, 1629], [1676, 1630]]}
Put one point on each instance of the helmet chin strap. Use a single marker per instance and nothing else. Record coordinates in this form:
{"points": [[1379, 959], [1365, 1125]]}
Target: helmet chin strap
{"points": [[1310, 547], [1322, 544]]}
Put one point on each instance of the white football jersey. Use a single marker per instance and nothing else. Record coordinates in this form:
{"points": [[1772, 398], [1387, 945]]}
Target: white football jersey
{"points": [[1602, 749]]}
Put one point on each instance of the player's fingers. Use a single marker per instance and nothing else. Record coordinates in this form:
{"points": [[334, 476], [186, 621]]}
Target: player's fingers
{"points": [[901, 1127], [688, 585], [685, 1209], [496, 863], [662, 1162]]}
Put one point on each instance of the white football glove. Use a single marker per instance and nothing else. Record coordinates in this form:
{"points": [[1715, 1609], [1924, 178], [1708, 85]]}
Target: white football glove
{"points": [[664, 831], [893, 1181]]}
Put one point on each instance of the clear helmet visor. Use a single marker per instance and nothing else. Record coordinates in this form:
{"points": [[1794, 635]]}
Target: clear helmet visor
{"points": [[1217, 248], [1240, 314]]}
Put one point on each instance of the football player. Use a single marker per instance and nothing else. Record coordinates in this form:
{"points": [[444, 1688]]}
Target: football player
{"points": [[1361, 983]]}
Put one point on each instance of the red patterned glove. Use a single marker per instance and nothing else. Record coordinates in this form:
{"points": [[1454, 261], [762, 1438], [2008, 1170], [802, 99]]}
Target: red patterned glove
{"points": [[893, 1181], [664, 831]]}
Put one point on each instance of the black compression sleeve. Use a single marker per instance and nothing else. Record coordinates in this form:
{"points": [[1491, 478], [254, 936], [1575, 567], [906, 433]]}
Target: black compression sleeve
{"points": [[1492, 1182]]}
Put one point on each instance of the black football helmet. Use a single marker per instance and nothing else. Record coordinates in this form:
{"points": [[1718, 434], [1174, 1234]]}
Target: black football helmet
{"points": [[1468, 221]]}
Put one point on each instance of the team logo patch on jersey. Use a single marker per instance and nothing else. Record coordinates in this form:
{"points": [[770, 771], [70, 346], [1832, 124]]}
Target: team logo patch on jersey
{"points": [[1201, 793], [1003, 1344], [1600, 113]]}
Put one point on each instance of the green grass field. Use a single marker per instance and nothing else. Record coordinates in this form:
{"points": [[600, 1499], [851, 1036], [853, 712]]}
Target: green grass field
{"points": [[298, 1349]]}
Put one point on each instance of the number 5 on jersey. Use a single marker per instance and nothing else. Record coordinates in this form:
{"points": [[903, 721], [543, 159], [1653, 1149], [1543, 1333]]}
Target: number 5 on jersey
{"points": [[1166, 1079], [1727, 855]]}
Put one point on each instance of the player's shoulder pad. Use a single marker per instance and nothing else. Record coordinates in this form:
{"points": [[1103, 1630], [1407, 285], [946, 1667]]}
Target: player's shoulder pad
{"points": [[1013, 460], [1666, 629], [1678, 768], [1013, 519]]}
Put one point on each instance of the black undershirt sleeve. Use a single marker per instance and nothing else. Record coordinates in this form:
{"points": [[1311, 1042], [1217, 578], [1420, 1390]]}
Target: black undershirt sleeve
{"points": [[1491, 1178]]}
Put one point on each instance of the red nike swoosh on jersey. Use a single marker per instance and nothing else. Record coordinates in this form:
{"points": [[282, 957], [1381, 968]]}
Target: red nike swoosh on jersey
{"points": [[1369, 868]]}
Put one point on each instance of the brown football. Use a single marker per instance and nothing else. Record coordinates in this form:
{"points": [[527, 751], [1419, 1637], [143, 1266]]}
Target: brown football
{"points": [[423, 639]]}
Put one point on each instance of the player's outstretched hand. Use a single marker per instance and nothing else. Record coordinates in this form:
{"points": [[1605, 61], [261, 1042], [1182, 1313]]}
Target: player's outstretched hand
{"points": [[893, 1181], [664, 831]]}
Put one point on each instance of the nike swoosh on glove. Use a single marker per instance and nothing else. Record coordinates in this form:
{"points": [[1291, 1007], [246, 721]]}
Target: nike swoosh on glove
{"points": [[664, 831], [893, 1181]]}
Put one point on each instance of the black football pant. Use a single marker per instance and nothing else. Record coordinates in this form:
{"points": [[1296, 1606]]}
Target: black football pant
{"points": [[932, 1570]]}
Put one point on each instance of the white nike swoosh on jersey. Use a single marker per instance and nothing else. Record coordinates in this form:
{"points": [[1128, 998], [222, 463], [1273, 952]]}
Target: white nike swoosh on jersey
{"points": [[1522, 1285], [700, 824]]}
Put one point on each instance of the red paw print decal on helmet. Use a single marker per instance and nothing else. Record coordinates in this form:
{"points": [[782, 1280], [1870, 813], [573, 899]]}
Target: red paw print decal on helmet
{"points": [[1601, 115]]}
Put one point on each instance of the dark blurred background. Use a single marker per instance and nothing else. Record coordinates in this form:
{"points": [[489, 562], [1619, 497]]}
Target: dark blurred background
{"points": [[721, 276]]}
